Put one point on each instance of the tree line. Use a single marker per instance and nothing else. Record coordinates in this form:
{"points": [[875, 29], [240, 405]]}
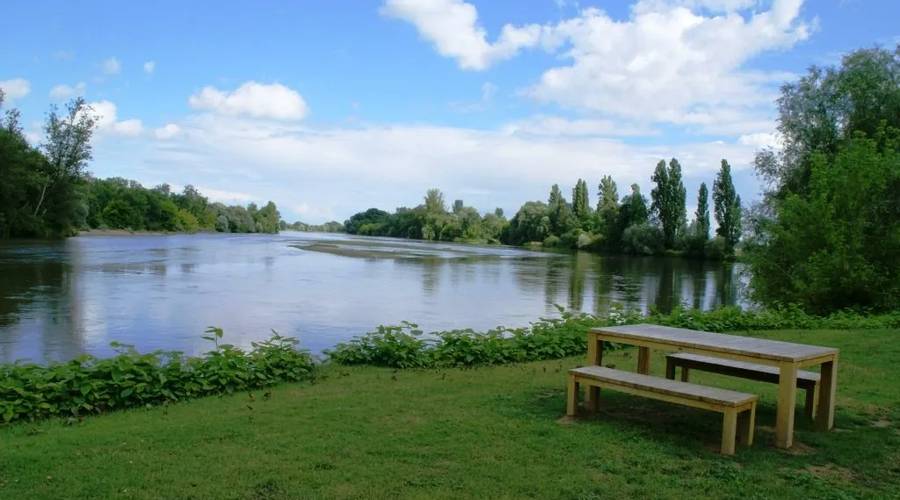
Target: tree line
{"points": [[46, 191], [627, 225]]}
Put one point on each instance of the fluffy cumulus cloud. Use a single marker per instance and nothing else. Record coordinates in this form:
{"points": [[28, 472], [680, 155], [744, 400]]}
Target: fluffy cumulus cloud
{"points": [[452, 26], [108, 122], [167, 131], [679, 62], [112, 66], [252, 99], [15, 88], [62, 91]]}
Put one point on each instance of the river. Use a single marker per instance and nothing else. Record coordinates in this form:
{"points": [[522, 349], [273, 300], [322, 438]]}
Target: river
{"points": [[60, 299]]}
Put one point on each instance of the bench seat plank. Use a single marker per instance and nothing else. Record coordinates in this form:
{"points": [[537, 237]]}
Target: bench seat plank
{"points": [[711, 395], [743, 366]]}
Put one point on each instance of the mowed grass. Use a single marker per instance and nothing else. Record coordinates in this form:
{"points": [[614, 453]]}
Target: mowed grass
{"points": [[494, 432]]}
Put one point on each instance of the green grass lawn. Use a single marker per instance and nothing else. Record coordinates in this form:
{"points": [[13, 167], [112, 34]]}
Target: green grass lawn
{"points": [[469, 433]]}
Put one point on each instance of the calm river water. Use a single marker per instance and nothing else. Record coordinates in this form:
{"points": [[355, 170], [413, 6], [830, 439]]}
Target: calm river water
{"points": [[60, 299]]}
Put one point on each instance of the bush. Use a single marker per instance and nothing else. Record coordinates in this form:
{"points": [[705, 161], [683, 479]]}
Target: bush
{"points": [[87, 385], [643, 239], [405, 346]]}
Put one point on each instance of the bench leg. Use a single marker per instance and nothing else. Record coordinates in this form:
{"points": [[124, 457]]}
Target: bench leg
{"points": [[670, 368], [684, 373], [643, 360], [729, 431], [592, 398], [746, 425], [827, 389], [812, 398], [572, 396]]}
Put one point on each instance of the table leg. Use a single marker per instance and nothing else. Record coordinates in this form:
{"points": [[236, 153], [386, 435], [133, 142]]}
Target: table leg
{"points": [[643, 360], [827, 389], [594, 358], [787, 401]]}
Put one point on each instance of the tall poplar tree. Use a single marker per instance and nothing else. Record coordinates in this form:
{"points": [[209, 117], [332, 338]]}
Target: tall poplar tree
{"points": [[701, 216], [727, 206], [668, 200], [580, 201]]}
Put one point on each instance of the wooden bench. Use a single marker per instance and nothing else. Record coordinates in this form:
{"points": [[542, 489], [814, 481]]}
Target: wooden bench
{"points": [[809, 381], [733, 405]]}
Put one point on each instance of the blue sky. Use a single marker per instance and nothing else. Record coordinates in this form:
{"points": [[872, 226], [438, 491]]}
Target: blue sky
{"points": [[329, 108]]}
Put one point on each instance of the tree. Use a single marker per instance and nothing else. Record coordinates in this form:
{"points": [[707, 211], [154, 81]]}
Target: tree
{"points": [[558, 211], [457, 206], [837, 245], [67, 147], [825, 107], [434, 202], [607, 209], [581, 207], [266, 219], [531, 223], [669, 200], [701, 216], [727, 205]]}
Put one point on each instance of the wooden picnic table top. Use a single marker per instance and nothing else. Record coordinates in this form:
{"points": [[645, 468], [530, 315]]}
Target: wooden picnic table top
{"points": [[772, 350]]}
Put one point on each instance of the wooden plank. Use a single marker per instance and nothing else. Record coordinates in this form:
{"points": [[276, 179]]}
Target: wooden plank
{"points": [[827, 390], [594, 357], [741, 368], [712, 395], [763, 349], [787, 400]]}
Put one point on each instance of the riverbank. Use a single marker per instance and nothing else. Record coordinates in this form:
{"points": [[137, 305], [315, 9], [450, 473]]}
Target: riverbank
{"points": [[467, 433]]}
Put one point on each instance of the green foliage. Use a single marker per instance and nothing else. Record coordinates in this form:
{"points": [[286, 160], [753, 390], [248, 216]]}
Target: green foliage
{"points": [[40, 186], [734, 319], [727, 205], [668, 200], [430, 221], [838, 246], [405, 346], [87, 385], [643, 239]]}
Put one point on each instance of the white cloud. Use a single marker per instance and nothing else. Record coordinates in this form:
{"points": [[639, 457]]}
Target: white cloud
{"points": [[106, 114], [16, 88], [666, 63], [343, 170], [167, 131], [488, 91], [762, 140], [62, 92], [149, 67], [257, 100], [112, 66], [559, 127], [670, 61], [452, 26]]}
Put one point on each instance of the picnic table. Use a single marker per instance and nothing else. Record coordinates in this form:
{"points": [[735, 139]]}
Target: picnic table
{"points": [[786, 356]]}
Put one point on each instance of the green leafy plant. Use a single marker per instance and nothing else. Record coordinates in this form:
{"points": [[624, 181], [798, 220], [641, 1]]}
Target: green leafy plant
{"points": [[88, 385]]}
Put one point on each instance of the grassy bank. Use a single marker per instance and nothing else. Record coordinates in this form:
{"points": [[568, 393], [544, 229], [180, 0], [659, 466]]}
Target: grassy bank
{"points": [[476, 433]]}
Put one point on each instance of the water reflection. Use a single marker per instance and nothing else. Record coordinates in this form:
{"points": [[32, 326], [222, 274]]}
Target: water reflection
{"points": [[59, 299]]}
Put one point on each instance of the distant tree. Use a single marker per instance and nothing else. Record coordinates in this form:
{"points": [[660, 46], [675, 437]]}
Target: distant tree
{"points": [[67, 148], [581, 207], [498, 212], [727, 206], [558, 211], [608, 211], [434, 202], [531, 223], [457, 206], [701, 216], [266, 219], [633, 210], [669, 200]]}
